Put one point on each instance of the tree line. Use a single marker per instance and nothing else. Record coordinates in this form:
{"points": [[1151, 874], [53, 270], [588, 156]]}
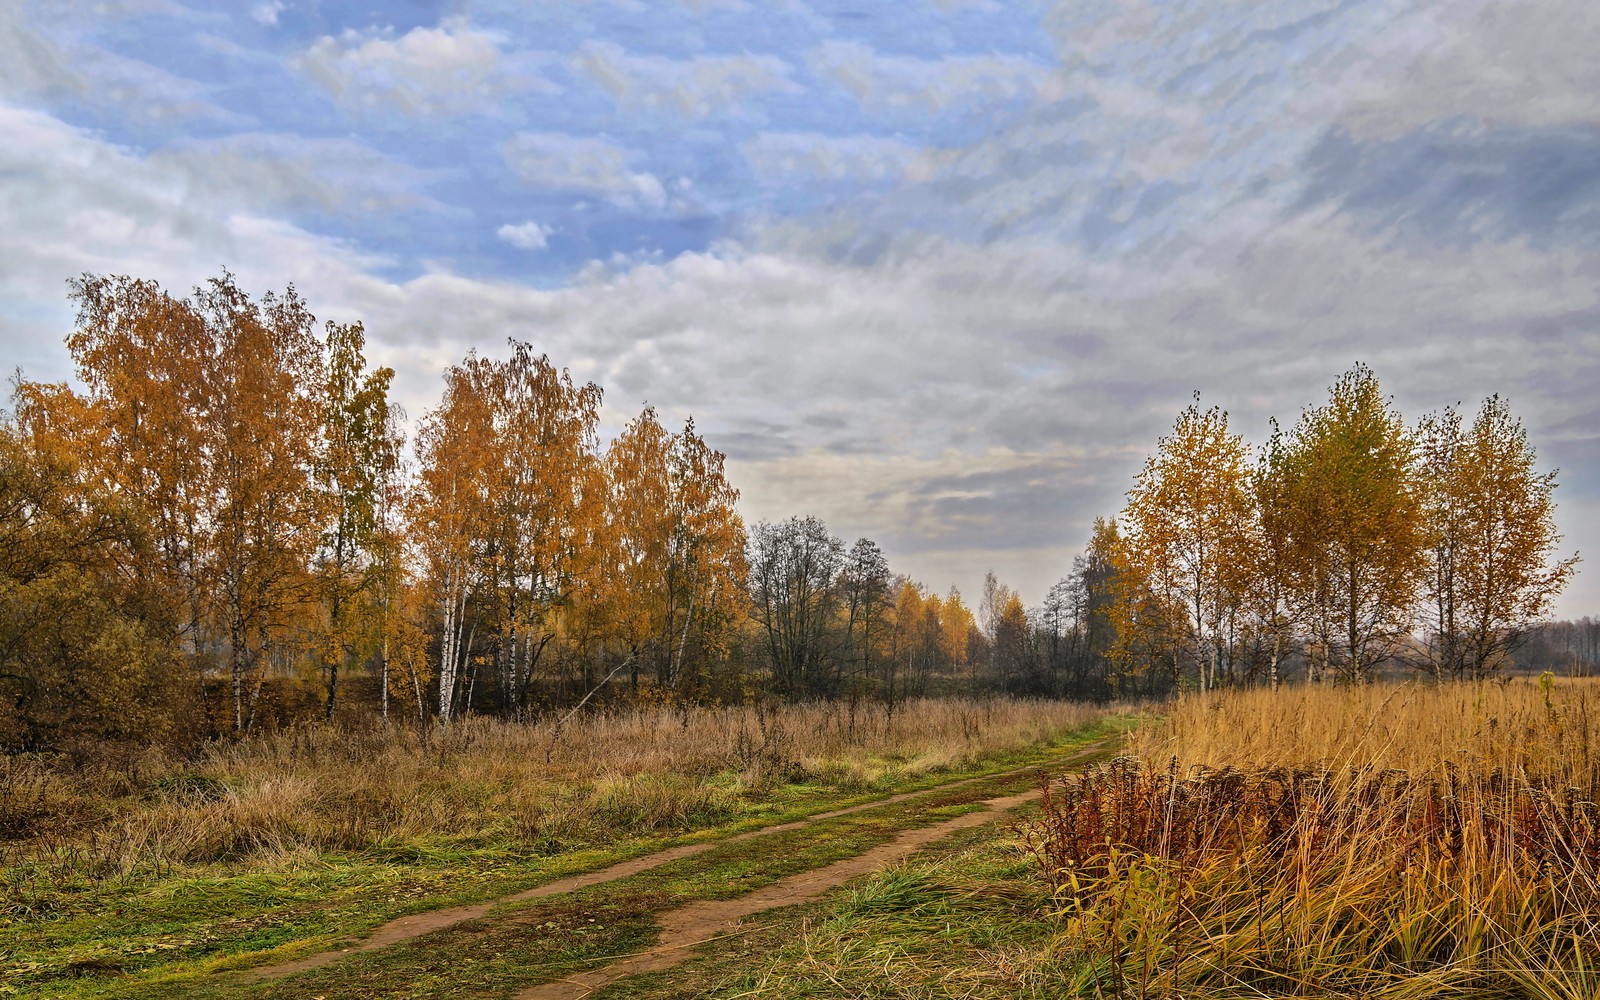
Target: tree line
{"points": [[1348, 543], [227, 526]]}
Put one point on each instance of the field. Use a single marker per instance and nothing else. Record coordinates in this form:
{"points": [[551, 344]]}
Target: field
{"points": [[1400, 841], [125, 872]]}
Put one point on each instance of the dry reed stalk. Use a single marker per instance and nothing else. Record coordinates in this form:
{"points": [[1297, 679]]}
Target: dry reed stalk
{"points": [[1384, 841]]}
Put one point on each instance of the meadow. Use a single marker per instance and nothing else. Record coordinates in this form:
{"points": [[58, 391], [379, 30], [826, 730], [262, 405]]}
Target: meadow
{"points": [[121, 860]]}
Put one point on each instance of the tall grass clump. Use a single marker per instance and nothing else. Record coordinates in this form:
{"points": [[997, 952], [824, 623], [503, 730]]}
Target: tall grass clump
{"points": [[1394, 841]]}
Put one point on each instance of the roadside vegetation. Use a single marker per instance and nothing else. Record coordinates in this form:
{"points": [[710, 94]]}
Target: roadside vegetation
{"points": [[133, 859]]}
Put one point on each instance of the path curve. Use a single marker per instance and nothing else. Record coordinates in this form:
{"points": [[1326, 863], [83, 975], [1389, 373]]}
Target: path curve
{"points": [[696, 923], [417, 924]]}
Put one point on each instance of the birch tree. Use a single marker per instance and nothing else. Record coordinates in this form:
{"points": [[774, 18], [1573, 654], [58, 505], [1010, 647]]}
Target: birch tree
{"points": [[1492, 571], [1350, 484]]}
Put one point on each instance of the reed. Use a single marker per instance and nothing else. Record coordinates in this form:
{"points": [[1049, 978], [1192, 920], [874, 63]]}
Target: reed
{"points": [[1394, 841]]}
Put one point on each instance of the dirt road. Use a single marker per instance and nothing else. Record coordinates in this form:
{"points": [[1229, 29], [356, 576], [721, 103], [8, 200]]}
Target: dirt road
{"points": [[688, 926], [692, 924]]}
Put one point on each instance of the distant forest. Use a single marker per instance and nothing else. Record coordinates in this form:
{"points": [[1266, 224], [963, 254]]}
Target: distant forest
{"points": [[227, 528], [1561, 647]]}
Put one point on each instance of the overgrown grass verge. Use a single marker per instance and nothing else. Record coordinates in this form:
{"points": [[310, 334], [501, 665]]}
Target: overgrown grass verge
{"points": [[1387, 841], [82, 908]]}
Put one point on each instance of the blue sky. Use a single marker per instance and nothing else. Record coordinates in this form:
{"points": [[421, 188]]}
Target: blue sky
{"points": [[940, 272]]}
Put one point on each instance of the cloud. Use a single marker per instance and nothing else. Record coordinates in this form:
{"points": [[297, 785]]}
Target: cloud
{"points": [[267, 13], [36, 66], [1455, 183], [262, 171], [965, 404], [900, 84], [1500, 63], [970, 360], [31, 63], [526, 235], [803, 157], [583, 164], [699, 87], [428, 72]]}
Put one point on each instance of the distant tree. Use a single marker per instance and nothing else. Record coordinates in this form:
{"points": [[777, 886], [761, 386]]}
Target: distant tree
{"points": [[1492, 571], [146, 360], [678, 565], [450, 512], [1017, 666], [358, 451], [864, 590], [1276, 593], [794, 571]]}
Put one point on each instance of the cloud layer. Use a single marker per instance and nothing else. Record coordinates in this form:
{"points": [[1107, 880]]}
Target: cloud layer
{"points": [[941, 274]]}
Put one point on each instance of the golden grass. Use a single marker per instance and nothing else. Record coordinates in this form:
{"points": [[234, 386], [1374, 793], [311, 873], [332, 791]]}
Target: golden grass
{"points": [[1522, 726], [1396, 841], [297, 793]]}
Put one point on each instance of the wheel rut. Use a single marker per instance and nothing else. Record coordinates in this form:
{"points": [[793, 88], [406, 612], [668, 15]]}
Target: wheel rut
{"points": [[684, 928], [419, 924]]}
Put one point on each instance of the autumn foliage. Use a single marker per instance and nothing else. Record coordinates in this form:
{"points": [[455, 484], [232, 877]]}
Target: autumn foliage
{"points": [[1347, 543], [226, 528]]}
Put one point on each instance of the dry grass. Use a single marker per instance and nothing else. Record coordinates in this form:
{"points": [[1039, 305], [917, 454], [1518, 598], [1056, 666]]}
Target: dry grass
{"points": [[1522, 726], [296, 794], [1399, 841]]}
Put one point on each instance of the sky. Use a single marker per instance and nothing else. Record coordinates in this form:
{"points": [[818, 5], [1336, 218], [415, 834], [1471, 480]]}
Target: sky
{"points": [[938, 271]]}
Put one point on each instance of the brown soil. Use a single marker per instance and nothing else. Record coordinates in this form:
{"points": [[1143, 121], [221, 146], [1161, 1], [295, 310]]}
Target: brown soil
{"points": [[687, 926], [418, 924]]}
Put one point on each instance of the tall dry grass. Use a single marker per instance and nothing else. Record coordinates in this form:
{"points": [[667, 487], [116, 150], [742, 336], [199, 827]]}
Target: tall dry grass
{"points": [[1398, 841], [1543, 729], [548, 785]]}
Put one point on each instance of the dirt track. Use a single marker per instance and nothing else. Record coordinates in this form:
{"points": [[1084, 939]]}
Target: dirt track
{"points": [[688, 925]]}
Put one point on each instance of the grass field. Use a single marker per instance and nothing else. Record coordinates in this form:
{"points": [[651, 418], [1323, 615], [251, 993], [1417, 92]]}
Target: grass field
{"points": [[1400, 841], [122, 869]]}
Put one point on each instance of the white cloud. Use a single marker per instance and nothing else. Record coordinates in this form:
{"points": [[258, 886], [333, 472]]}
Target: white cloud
{"points": [[31, 63], [35, 65], [694, 88], [449, 69], [526, 235], [891, 83], [801, 157], [1497, 62], [586, 164], [267, 13], [272, 171]]}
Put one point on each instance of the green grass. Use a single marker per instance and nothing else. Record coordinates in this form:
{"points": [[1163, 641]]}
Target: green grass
{"points": [[968, 918], [160, 935]]}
